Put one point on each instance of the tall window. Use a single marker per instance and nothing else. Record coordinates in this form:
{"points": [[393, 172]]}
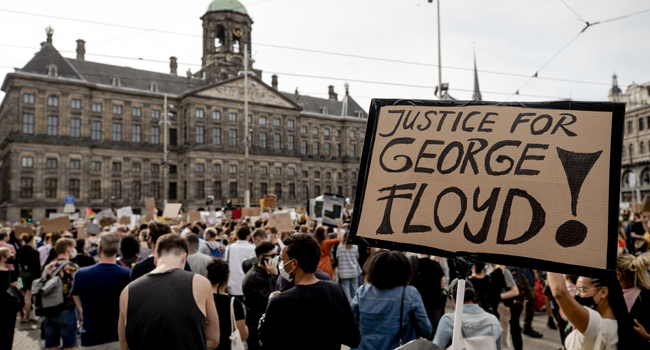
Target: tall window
{"points": [[28, 123], [136, 167], [277, 171], [51, 163], [200, 134], [200, 167], [28, 99], [96, 166], [137, 112], [75, 103], [52, 125], [262, 120], [315, 148], [27, 162], [338, 150], [216, 115], [315, 131], [303, 129], [199, 190], [233, 137], [262, 140], [233, 169], [233, 190], [292, 171], [264, 170], [73, 187], [155, 190], [75, 164], [290, 142], [292, 191], [278, 190], [136, 133], [232, 117], [328, 175], [26, 187], [303, 147], [317, 175], [136, 190], [326, 149], [338, 133], [117, 167], [352, 135], [276, 141], [75, 127], [155, 113], [305, 192], [97, 107], [53, 101], [305, 174], [629, 127], [641, 124], [352, 150], [642, 148], [155, 168], [50, 188], [116, 189], [117, 132], [277, 122], [199, 113], [95, 189], [96, 132], [264, 189], [155, 135], [326, 132], [290, 123], [216, 189], [216, 168], [250, 119], [216, 136], [117, 109]]}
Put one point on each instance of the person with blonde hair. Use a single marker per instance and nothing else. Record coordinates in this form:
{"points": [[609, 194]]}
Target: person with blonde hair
{"points": [[632, 273], [7, 317]]}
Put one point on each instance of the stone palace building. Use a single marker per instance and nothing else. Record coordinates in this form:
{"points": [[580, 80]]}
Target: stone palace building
{"points": [[94, 131]]}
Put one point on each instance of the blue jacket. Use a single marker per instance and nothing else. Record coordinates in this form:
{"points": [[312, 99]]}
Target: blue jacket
{"points": [[377, 313], [476, 322]]}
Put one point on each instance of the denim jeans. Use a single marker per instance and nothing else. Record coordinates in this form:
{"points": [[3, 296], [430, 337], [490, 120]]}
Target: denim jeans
{"points": [[61, 326], [350, 286]]}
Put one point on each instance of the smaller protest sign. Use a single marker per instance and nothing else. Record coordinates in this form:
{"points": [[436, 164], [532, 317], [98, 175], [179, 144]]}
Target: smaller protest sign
{"points": [[250, 212], [171, 210], [56, 225], [107, 222], [255, 218], [193, 215], [142, 221], [327, 208], [125, 211], [150, 203], [92, 229], [125, 220], [105, 214], [281, 221], [19, 230], [269, 201], [646, 207]]}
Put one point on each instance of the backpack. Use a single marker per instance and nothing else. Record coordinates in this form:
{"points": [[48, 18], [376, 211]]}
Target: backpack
{"points": [[47, 291], [216, 252]]}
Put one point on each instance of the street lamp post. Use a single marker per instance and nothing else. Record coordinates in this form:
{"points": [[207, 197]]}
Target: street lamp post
{"points": [[246, 132], [439, 90]]}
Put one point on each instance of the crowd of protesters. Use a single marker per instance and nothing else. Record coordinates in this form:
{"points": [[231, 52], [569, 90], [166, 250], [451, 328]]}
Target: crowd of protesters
{"points": [[201, 286]]}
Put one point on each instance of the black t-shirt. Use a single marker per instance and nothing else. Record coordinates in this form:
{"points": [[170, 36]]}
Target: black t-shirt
{"points": [[427, 282], [481, 287], [223, 309], [29, 260], [320, 316], [145, 266], [83, 260]]}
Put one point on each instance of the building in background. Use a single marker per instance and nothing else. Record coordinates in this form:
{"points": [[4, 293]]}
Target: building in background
{"points": [[94, 131], [636, 139]]}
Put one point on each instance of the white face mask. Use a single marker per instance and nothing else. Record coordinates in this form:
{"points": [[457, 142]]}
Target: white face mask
{"points": [[286, 275], [74, 253]]}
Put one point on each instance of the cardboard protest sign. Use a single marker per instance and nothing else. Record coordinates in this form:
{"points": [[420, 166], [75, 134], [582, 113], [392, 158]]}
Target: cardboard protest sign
{"points": [[19, 230], [327, 208], [150, 203], [108, 213], [193, 215], [281, 221], [171, 210], [646, 207], [125, 211], [125, 220], [56, 225], [250, 211], [269, 201], [525, 184], [142, 221]]}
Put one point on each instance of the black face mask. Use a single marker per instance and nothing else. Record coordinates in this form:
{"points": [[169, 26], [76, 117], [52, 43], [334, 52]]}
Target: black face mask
{"points": [[588, 302]]}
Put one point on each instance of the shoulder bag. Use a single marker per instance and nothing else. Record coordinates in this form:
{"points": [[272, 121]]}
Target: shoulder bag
{"points": [[235, 337], [13, 298]]}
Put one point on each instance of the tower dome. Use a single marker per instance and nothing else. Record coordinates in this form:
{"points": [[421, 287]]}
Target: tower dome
{"points": [[227, 5]]}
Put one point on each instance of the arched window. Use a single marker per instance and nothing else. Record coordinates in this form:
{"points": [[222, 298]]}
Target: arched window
{"points": [[642, 148], [220, 38], [626, 179], [631, 150], [645, 177]]}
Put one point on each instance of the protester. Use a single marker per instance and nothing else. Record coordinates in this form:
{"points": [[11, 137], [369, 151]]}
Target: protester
{"points": [[259, 236], [198, 262], [637, 230], [129, 247], [156, 230], [96, 291], [325, 263], [481, 282], [388, 311], [7, 317], [53, 255], [180, 313], [30, 268], [82, 259], [316, 313], [235, 255], [632, 273], [348, 266], [598, 308], [218, 276], [258, 284], [526, 278], [274, 237], [429, 280], [503, 296], [476, 321], [4, 243], [60, 322], [212, 246], [44, 250]]}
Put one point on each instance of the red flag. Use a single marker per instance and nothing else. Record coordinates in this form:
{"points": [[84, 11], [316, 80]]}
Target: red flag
{"points": [[89, 213]]}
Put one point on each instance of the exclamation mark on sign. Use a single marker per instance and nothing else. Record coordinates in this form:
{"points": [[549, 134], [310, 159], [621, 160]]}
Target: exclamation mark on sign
{"points": [[576, 167]]}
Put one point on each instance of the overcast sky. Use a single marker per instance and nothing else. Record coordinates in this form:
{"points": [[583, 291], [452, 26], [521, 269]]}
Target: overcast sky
{"points": [[515, 37]]}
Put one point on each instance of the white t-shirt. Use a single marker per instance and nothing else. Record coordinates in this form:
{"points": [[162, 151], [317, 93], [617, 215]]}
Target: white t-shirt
{"points": [[235, 255], [587, 341]]}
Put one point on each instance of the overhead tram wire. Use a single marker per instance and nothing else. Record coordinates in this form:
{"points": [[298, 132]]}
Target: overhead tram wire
{"points": [[317, 51]]}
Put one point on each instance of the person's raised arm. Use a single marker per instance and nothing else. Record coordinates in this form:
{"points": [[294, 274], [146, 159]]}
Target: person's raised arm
{"points": [[576, 313], [339, 227], [121, 324]]}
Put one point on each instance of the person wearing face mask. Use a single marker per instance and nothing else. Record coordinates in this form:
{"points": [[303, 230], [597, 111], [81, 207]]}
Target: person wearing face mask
{"points": [[60, 322], [598, 313], [258, 284], [7, 317]]}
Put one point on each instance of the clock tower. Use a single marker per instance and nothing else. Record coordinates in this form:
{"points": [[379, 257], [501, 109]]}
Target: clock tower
{"points": [[226, 31]]}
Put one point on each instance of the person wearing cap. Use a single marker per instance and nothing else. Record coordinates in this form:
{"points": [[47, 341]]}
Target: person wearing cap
{"points": [[476, 321]]}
